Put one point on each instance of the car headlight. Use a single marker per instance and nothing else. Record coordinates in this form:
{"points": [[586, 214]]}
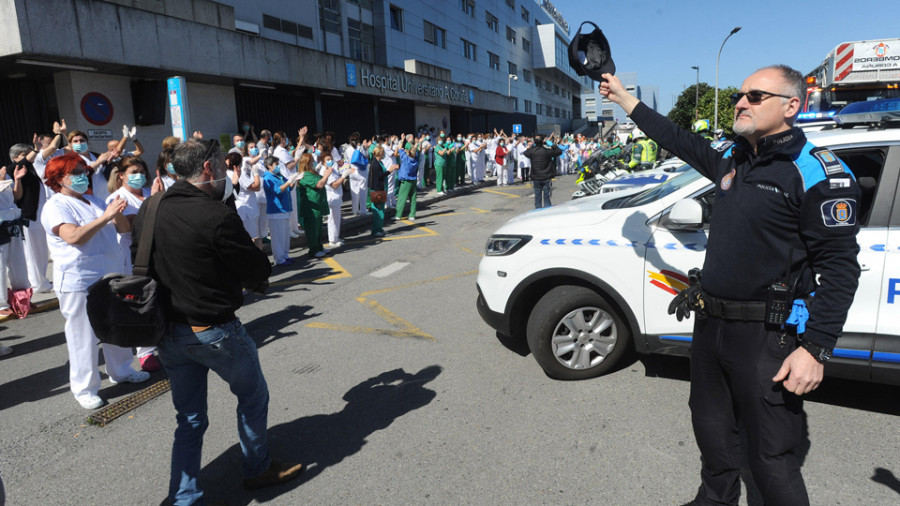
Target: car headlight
{"points": [[499, 245]]}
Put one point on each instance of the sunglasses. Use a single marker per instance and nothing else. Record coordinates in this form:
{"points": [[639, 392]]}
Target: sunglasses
{"points": [[754, 96]]}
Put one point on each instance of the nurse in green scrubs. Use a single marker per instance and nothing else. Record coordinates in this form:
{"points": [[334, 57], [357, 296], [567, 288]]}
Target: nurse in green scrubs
{"points": [[312, 202], [441, 161]]}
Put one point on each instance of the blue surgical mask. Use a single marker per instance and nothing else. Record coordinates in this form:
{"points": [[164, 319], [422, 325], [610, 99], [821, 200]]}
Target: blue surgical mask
{"points": [[79, 183], [318, 152], [246, 128], [276, 169], [137, 181], [170, 168], [254, 151], [79, 147], [427, 137], [239, 144], [330, 163]]}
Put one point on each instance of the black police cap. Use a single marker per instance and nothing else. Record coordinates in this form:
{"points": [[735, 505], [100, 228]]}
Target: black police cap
{"points": [[589, 53]]}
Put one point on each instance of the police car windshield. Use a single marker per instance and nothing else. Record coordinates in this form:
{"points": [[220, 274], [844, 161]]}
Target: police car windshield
{"points": [[657, 192]]}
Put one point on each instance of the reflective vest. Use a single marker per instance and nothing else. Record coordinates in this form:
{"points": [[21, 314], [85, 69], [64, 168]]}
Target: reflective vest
{"points": [[643, 152]]}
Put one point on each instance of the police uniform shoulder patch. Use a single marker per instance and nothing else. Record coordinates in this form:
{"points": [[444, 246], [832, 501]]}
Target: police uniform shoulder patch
{"points": [[830, 163], [839, 212]]}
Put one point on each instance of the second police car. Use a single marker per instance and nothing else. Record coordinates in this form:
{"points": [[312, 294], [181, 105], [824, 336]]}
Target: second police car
{"points": [[588, 280]]}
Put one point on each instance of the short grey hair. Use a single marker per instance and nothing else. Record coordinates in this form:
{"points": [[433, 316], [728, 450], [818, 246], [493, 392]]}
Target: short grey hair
{"points": [[796, 84], [188, 157], [19, 148]]}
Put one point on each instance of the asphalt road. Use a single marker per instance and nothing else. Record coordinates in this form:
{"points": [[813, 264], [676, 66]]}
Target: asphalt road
{"points": [[387, 384]]}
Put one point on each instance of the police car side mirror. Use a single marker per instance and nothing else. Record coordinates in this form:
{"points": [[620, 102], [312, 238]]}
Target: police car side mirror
{"points": [[686, 214]]}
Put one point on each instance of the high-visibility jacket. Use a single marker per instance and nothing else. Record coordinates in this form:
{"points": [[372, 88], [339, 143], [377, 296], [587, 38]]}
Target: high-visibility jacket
{"points": [[643, 152]]}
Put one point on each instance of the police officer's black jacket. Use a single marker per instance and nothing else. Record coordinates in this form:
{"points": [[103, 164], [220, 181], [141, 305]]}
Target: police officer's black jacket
{"points": [[787, 200], [542, 157], [202, 256]]}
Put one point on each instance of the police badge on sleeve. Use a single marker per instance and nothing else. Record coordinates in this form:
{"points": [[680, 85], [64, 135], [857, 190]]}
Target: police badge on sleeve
{"points": [[839, 212]]}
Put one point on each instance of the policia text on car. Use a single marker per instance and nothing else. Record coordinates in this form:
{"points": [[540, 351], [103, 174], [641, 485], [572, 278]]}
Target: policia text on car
{"points": [[781, 203]]}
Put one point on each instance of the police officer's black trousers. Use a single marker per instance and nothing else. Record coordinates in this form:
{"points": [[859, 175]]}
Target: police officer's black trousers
{"points": [[732, 365]]}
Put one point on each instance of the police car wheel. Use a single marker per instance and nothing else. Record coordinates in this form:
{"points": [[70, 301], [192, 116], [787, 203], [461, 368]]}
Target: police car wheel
{"points": [[574, 333]]}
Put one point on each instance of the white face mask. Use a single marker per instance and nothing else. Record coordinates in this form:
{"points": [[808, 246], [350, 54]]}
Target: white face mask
{"points": [[229, 186]]}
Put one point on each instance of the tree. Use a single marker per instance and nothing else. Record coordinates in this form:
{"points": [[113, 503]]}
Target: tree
{"points": [[683, 113]]}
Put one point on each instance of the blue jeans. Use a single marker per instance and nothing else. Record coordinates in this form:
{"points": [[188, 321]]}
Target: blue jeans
{"points": [[187, 358], [541, 189]]}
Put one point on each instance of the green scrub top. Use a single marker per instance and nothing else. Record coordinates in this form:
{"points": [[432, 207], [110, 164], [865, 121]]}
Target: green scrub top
{"points": [[310, 197]]}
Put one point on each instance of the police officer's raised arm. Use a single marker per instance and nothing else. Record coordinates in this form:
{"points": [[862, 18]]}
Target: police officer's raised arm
{"points": [[693, 149]]}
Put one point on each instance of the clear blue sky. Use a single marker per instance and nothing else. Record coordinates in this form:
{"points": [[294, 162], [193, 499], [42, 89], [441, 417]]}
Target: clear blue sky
{"points": [[662, 39]]}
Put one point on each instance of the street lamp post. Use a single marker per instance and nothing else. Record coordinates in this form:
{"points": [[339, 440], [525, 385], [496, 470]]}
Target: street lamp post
{"points": [[697, 98], [735, 30], [509, 80]]}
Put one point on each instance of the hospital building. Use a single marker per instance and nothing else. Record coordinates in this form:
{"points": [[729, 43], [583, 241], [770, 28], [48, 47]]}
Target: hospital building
{"points": [[367, 66]]}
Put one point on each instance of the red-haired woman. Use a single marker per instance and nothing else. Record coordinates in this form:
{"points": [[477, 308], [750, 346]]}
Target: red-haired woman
{"points": [[81, 235]]}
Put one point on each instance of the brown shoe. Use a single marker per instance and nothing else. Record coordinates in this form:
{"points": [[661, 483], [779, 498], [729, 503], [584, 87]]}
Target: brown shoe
{"points": [[278, 472]]}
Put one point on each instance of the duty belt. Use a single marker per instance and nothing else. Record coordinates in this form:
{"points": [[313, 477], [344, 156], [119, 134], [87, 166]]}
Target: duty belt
{"points": [[748, 311]]}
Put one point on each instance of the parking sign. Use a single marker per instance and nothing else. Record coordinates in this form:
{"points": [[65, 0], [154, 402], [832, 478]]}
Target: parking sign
{"points": [[517, 128]]}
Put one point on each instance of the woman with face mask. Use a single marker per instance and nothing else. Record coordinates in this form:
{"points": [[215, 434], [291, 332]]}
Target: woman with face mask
{"points": [[279, 207], [81, 234], [129, 181], [251, 211], [78, 142], [334, 194], [380, 165], [283, 152], [313, 202]]}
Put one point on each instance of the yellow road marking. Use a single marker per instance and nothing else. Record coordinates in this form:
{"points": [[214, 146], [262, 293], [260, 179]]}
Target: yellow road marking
{"points": [[408, 329], [428, 232], [338, 273], [467, 250], [507, 195]]}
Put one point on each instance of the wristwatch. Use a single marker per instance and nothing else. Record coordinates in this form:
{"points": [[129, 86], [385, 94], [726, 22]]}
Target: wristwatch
{"points": [[818, 352]]}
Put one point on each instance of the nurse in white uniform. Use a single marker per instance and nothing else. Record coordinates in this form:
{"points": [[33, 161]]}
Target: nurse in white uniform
{"points": [[130, 182], [81, 234]]}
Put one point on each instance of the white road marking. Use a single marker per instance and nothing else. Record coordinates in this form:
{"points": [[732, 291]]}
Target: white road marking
{"points": [[389, 269]]}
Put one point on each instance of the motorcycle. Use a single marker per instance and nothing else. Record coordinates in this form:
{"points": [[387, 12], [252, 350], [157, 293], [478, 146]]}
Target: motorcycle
{"points": [[595, 171]]}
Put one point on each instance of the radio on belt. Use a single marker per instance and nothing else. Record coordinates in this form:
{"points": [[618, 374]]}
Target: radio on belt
{"points": [[779, 300]]}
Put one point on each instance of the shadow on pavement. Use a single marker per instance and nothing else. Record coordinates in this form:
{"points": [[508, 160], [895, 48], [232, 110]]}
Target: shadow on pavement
{"points": [[886, 478], [270, 328], [322, 441]]}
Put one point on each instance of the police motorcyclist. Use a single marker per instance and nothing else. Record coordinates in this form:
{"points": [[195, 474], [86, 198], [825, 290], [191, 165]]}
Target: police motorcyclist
{"points": [[701, 128], [643, 151], [784, 220]]}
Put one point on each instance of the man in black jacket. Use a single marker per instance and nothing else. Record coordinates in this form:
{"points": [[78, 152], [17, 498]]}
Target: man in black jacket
{"points": [[543, 156], [202, 257], [781, 204]]}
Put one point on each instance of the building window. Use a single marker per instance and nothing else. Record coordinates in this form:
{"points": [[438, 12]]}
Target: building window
{"points": [[555, 89], [469, 50], [513, 69], [362, 40], [537, 82], [493, 61], [526, 45], [365, 4], [556, 110], [526, 74], [468, 6], [510, 35], [540, 109], [526, 17], [435, 35], [511, 4], [528, 106], [397, 18], [606, 113], [288, 27], [491, 21], [516, 104]]}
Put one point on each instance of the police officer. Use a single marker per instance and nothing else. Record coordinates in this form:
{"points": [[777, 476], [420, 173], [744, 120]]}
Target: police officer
{"points": [[785, 216], [701, 128], [643, 151]]}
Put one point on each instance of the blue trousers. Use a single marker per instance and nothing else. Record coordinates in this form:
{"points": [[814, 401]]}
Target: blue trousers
{"points": [[542, 191], [188, 357]]}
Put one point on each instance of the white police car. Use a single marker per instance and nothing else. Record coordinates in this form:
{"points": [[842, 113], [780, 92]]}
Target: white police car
{"points": [[586, 281]]}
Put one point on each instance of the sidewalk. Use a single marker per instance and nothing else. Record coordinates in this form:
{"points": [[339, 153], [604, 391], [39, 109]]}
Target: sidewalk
{"points": [[41, 302]]}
